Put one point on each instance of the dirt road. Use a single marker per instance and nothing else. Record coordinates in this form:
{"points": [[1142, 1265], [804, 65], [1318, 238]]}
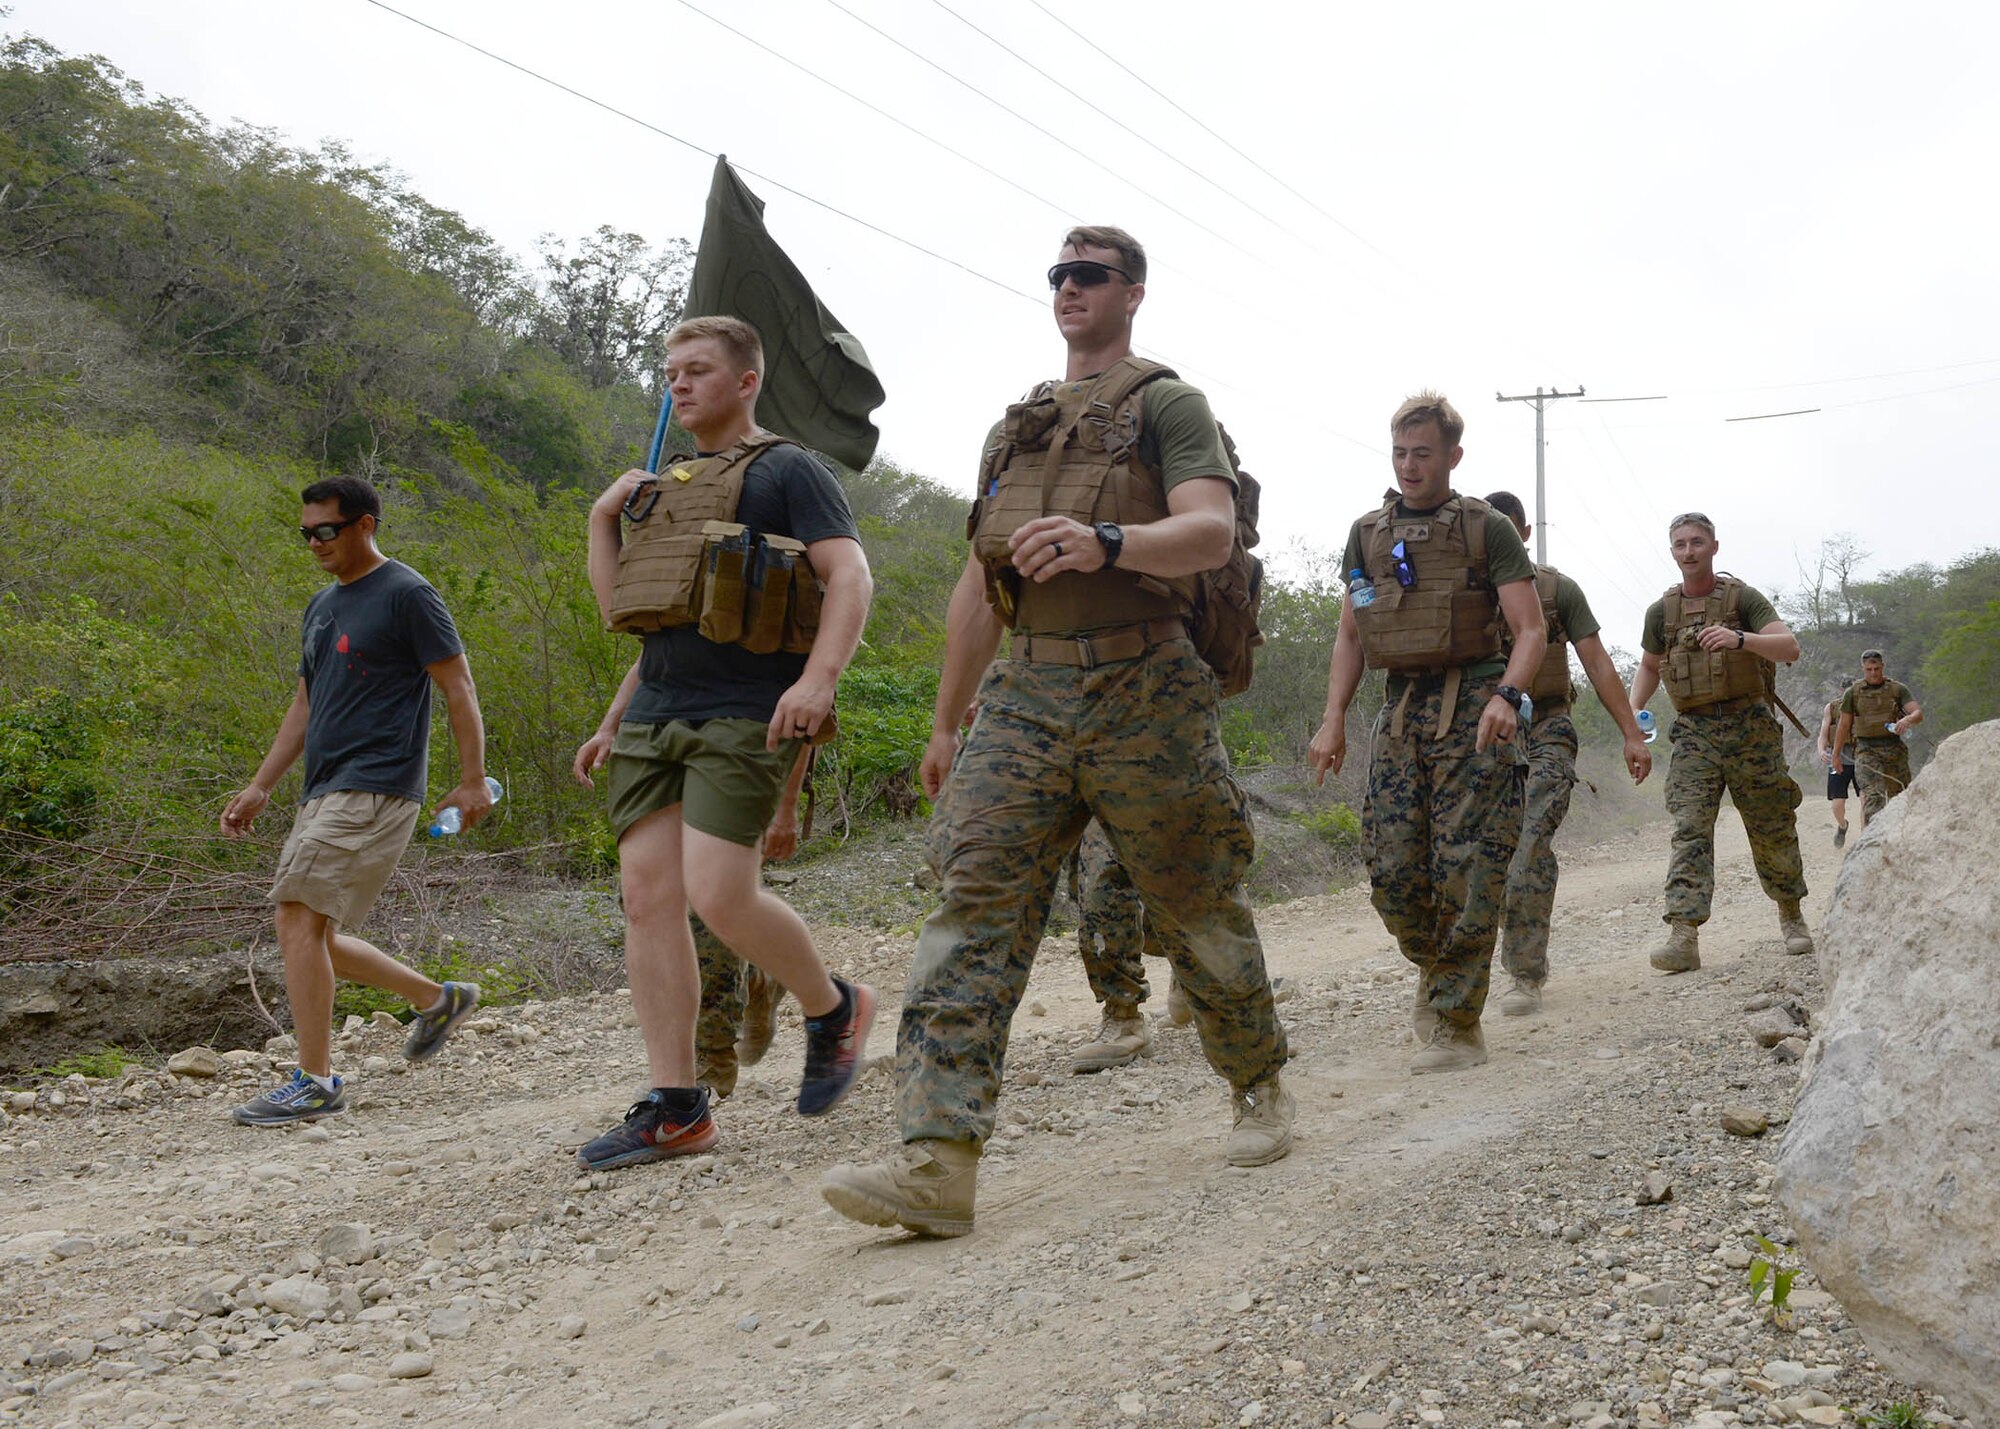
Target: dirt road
{"points": [[1465, 1250]]}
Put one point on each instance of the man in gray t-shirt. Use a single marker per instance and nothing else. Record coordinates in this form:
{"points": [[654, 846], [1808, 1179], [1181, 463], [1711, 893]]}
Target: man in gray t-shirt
{"points": [[373, 644]]}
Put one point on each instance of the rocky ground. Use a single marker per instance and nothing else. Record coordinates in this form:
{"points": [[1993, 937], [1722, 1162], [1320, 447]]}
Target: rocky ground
{"points": [[1559, 1238]]}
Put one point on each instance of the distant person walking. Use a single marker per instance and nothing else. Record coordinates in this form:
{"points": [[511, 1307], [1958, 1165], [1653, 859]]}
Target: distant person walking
{"points": [[1839, 771], [1875, 714], [1714, 640], [1552, 742], [374, 642]]}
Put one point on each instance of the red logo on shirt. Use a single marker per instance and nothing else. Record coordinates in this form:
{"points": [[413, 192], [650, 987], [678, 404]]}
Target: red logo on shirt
{"points": [[341, 645]]}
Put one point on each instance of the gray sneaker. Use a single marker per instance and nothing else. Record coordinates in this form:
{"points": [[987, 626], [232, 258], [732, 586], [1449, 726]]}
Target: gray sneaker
{"points": [[299, 1100], [433, 1025]]}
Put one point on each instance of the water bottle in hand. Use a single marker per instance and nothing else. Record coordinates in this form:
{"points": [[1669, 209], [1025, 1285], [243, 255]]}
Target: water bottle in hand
{"points": [[450, 821], [1360, 590], [1648, 726]]}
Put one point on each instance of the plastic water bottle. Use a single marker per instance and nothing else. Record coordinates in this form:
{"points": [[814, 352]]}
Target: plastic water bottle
{"points": [[1891, 727], [1527, 710], [1648, 726], [451, 821], [1360, 590]]}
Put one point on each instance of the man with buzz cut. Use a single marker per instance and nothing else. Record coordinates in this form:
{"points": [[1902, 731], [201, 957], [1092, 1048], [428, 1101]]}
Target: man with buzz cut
{"points": [[1438, 586], [1102, 500], [1875, 714], [1713, 640], [1551, 742], [742, 570], [373, 644]]}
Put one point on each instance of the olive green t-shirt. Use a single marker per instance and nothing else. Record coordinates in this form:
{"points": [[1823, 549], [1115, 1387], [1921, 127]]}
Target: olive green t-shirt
{"points": [[1903, 697], [1178, 436], [1755, 612], [1578, 622], [1506, 562]]}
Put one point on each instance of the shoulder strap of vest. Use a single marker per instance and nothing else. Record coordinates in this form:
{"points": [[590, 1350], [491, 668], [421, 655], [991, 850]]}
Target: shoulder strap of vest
{"points": [[1546, 585], [735, 460], [1126, 376], [1472, 511], [1730, 588]]}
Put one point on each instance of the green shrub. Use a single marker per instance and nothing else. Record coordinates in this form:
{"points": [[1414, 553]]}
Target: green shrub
{"points": [[1337, 824]]}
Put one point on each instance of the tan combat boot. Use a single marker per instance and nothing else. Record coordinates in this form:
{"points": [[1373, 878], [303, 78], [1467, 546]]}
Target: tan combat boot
{"points": [[716, 1070], [1523, 999], [1680, 953], [1178, 1011], [925, 1187], [1262, 1130], [1125, 1037], [1792, 928], [1423, 1021], [1452, 1049], [760, 1017]]}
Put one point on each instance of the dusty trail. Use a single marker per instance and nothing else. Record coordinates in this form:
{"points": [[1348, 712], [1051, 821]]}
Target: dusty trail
{"points": [[1463, 1250]]}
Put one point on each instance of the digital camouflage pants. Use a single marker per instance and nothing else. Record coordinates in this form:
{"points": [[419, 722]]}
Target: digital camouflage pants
{"points": [[1441, 822], [1136, 744], [1883, 771], [1112, 927], [1531, 877], [1743, 752]]}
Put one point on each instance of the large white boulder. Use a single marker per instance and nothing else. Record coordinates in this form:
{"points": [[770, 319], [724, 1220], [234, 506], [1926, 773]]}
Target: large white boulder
{"points": [[1890, 1170]]}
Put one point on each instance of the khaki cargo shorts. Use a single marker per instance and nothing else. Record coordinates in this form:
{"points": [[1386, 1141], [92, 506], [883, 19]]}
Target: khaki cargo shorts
{"points": [[342, 849]]}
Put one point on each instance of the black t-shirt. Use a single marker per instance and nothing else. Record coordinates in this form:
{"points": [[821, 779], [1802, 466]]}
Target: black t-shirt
{"points": [[363, 655], [685, 675]]}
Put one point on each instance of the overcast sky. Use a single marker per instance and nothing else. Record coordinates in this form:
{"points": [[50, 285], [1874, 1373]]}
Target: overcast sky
{"points": [[1746, 208]]}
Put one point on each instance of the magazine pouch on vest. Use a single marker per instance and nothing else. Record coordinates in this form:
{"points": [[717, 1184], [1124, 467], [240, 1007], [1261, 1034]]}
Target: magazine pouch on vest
{"points": [[1072, 449], [685, 560], [1696, 678]]}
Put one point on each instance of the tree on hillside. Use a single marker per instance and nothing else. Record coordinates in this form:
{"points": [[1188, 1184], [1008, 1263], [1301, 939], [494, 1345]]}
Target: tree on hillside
{"points": [[608, 304]]}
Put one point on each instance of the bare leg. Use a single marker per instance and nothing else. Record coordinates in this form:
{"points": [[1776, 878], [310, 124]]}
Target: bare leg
{"points": [[722, 882], [361, 961], [659, 946], [1840, 812], [308, 984]]}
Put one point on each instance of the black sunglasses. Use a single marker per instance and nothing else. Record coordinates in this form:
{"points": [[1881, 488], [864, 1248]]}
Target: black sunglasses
{"points": [[1406, 574], [1084, 274], [326, 530]]}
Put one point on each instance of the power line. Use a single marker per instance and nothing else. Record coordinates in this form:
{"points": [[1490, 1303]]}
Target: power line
{"points": [[1840, 381], [775, 183], [1199, 123], [1102, 112]]}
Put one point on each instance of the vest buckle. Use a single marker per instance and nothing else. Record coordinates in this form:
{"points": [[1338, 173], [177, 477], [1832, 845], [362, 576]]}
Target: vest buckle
{"points": [[1086, 652]]}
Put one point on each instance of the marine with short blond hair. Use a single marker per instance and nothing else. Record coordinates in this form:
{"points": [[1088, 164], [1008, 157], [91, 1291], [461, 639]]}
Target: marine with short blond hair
{"points": [[1438, 586], [1713, 640]]}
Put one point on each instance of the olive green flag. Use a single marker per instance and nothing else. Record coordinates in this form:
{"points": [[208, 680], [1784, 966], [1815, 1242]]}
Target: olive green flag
{"points": [[819, 387]]}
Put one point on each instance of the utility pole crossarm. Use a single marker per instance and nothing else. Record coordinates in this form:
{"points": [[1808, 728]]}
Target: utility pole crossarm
{"points": [[1540, 399]]}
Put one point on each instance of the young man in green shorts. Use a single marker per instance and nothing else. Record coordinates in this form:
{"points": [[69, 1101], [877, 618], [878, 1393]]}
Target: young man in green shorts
{"points": [[708, 729]]}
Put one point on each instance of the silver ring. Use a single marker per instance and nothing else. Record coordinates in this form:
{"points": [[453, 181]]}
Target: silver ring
{"points": [[1059, 550]]}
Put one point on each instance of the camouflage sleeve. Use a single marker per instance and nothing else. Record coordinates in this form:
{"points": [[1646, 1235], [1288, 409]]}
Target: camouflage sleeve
{"points": [[1757, 612], [1653, 630], [1506, 558], [1574, 608], [1179, 435]]}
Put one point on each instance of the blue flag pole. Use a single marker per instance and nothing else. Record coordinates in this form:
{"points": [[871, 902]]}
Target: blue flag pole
{"points": [[660, 429]]}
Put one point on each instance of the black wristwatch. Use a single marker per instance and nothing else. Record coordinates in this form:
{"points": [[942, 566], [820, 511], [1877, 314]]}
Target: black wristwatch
{"points": [[1511, 695], [1111, 536]]}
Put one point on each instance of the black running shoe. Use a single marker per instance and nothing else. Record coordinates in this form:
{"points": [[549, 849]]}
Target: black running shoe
{"points": [[651, 1133], [1840, 836], [298, 1100], [834, 1044], [430, 1028]]}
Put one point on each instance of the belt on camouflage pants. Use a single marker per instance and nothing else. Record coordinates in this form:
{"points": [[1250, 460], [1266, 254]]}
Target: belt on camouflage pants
{"points": [[1100, 647]]}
